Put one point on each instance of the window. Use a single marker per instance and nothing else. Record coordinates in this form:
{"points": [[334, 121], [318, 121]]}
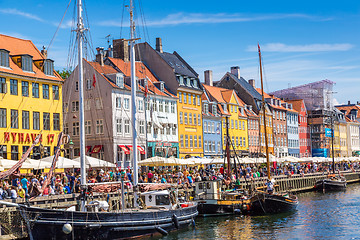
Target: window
{"points": [[26, 63], [36, 120], [2, 85], [185, 97], [142, 127], [189, 98], [172, 107], [195, 141], [194, 99], [87, 105], [76, 86], [174, 130], [232, 123], [194, 119], [119, 125], [199, 120], [206, 108], [154, 104], [25, 120], [161, 106], [55, 92], [45, 91], [198, 100], [206, 146], [3, 151], [3, 118], [181, 141], [236, 124], [191, 141], [49, 67], [13, 87], [180, 97], [200, 141], [214, 110], [14, 153], [186, 141], [25, 88], [14, 119], [127, 126], [185, 118], [119, 80], [75, 106], [244, 142], [237, 141], [56, 121], [35, 90], [243, 125], [181, 117], [118, 102], [205, 127], [127, 103], [87, 127], [149, 128], [141, 105], [98, 103], [99, 126], [166, 106], [88, 84], [46, 121], [76, 129], [190, 118], [4, 58]]}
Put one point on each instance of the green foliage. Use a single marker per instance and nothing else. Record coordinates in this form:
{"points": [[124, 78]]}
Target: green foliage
{"points": [[64, 73]]}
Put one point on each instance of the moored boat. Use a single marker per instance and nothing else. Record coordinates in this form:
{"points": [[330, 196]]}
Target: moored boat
{"points": [[331, 183]]}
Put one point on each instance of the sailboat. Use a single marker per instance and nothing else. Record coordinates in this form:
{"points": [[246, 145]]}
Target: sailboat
{"points": [[269, 201], [159, 211], [331, 182]]}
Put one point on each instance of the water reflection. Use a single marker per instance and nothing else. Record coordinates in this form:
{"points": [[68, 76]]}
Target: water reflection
{"points": [[333, 215]]}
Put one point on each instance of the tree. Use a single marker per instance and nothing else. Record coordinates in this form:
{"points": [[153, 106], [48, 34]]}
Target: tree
{"points": [[64, 73]]}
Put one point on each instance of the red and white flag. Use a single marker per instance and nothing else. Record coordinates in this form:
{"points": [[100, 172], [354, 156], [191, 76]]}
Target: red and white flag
{"points": [[94, 80]]}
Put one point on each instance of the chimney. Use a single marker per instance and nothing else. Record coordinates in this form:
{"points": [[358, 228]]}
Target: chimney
{"points": [[44, 52], [252, 82], [235, 71], [100, 55], [159, 45], [208, 77], [349, 102], [358, 103], [121, 49]]}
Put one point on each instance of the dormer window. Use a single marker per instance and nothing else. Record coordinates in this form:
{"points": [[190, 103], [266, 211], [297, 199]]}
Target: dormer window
{"points": [[214, 110], [162, 87], [206, 108], [49, 67], [26, 63], [188, 82], [225, 108], [119, 80], [4, 58]]}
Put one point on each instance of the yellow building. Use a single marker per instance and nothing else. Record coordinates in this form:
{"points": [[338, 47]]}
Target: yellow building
{"points": [[31, 99], [190, 122], [269, 131], [232, 109], [336, 144]]}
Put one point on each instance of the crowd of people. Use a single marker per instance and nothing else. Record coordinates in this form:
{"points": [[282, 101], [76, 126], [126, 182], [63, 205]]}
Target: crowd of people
{"points": [[69, 182]]}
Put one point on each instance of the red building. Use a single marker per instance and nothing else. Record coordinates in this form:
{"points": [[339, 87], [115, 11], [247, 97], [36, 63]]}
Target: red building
{"points": [[304, 132]]}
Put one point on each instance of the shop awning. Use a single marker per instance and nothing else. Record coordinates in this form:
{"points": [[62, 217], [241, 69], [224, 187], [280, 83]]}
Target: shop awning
{"points": [[97, 149], [124, 148], [87, 149], [130, 147], [141, 150]]}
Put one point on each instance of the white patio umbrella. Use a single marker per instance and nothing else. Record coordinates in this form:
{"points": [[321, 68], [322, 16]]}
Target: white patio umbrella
{"points": [[6, 164], [62, 162], [95, 162], [38, 164]]}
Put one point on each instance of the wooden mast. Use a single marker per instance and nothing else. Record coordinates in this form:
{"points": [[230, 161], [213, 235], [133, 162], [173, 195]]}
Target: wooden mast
{"points": [[264, 117]]}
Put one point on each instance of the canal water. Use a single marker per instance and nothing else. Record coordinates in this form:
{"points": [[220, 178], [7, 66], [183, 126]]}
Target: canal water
{"points": [[333, 215]]}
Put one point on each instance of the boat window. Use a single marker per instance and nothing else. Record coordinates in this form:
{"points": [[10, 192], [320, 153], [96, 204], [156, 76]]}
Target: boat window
{"points": [[162, 200], [150, 198], [208, 185], [200, 186]]}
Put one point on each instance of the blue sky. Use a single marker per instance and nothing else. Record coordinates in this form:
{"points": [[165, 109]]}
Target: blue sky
{"points": [[301, 41]]}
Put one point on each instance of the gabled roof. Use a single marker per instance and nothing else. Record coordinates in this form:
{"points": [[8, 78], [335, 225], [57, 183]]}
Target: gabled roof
{"points": [[297, 104], [17, 46], [179, 65], [142, 72], [245, 84], [221, 95], [350, 107]]}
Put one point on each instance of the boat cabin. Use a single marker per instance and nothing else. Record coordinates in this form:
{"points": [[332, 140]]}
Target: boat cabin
{"points": [[157, 199], [208, 190]]}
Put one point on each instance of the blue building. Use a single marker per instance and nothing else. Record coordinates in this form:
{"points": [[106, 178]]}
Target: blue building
{"points": [[211, 125]]}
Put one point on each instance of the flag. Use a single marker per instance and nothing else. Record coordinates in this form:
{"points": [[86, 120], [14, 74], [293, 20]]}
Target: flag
{"points": [[146, 90], [94, 80], [258, 47]]}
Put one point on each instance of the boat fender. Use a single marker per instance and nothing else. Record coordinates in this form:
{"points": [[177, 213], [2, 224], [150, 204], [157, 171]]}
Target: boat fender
{"points": [[67, 228], [161, 230], [176, 221]]}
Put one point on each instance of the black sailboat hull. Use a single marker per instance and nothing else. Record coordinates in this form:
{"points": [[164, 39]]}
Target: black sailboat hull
{"points": [[217, 209], [264, 203], [48, 224], [330, 185]]}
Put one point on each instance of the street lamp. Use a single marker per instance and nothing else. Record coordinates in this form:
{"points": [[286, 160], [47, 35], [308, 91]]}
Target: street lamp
{"points": [[71, 147]]}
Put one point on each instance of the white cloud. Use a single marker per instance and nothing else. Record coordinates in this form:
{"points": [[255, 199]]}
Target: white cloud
{"points": [[193, 18], [14, 11], [281, 47]]}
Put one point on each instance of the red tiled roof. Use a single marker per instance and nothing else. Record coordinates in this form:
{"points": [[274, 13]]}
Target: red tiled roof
{"points": [[17, 46], [349, 108]]}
